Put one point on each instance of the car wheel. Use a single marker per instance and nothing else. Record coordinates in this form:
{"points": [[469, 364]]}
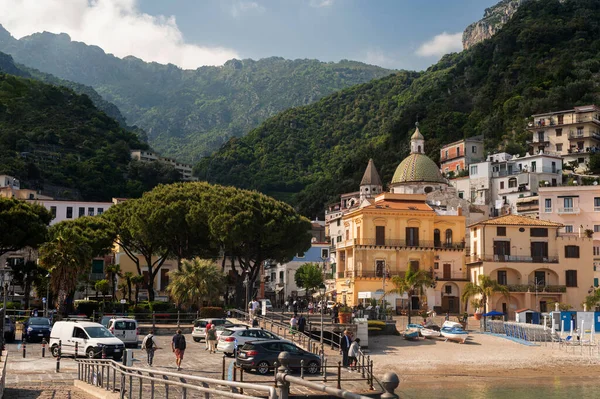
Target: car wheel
{"points": [[196, 339], [117, 357], [228, 354], [262, 368], [312, 368], [54, 350], [90, 353]]}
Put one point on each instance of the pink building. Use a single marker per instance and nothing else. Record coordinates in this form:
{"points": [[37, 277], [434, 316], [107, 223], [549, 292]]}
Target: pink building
{"points": [[578, 209]]}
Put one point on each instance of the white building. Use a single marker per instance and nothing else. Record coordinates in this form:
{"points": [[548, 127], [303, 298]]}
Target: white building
{"points": [[69, 210], [147, 156]]}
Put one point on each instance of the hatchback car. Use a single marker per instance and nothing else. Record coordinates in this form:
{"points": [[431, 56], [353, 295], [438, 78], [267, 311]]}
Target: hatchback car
{"points": [[37, 328], [262, 355], [199, 330], [236, 337]]}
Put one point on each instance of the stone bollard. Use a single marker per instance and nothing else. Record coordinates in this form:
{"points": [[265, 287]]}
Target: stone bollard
{"points": [[76, 349], [59, 352], [24, 345], [390, 382], [283, 370]]}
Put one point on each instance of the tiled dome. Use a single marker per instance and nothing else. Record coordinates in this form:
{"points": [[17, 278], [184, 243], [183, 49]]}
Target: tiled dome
{"points": [[417, 168]]}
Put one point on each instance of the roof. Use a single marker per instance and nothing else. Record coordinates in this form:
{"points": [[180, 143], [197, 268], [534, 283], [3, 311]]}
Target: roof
{"points": [[468, 139], [401, 205], [417, 168], [371, 177], [524, 310], [417, 135], [517, 220]]}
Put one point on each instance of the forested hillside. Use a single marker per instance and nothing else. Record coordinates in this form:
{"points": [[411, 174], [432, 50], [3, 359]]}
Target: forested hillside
{"points": [[50, 135], [545, 58], [189, 113]]}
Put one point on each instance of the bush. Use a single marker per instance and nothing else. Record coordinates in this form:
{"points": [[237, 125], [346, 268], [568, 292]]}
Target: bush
{"points": [[158, 306], [13, 305], [209, 311], [87, 307]]}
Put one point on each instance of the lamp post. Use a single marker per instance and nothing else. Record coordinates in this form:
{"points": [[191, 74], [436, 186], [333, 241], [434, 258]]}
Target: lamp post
{"points": [[246, 283], [47, 295], [322, 292], [5, 286]]}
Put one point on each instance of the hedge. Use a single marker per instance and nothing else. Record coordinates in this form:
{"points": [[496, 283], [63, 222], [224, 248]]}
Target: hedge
{"points": [[209, 311]]}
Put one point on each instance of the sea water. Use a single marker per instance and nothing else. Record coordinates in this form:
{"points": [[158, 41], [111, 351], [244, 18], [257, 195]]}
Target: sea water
{"points": [[515, 388]]}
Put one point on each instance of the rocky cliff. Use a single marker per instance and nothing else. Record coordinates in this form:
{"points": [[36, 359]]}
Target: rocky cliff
{"points": [[493, 19]]}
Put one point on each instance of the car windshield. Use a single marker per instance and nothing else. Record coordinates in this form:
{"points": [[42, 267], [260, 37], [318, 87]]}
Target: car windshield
{"points": [[39, 321], [200, 323], [98, 332], [248, 347], [226, 333]]}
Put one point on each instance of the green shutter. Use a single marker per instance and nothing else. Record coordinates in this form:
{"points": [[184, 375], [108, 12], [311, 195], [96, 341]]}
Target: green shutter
{"points": [[595, 282], [98, 266]]}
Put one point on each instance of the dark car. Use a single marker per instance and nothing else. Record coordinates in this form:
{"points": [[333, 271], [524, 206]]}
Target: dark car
{"points": [[262, 355], [36, 329], [9, 329]]}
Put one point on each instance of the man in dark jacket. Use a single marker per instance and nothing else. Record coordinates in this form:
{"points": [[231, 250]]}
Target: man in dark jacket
{"points": [[178, 346], [301, 323], [344, 346]]}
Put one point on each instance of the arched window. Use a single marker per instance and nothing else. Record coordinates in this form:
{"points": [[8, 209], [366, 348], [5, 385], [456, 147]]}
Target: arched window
{"points": [[428, 189], [437, 241], [419, 149], [448, 237]]}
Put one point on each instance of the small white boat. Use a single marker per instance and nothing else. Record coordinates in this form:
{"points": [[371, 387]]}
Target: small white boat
{"points": [[451, 324], [428, 333], [454, 334]]}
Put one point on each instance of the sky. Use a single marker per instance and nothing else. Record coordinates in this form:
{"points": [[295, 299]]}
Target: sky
{"points": [[396, 34]]}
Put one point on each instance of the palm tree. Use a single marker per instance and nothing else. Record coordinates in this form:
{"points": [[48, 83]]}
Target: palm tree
{"points": [[128, 277], [413, 282], [137, 281], [198, 280], [485, 289], [66, 257], [112, 272]]}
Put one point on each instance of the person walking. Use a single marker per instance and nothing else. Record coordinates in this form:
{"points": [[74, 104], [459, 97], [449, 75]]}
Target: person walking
{"points": [[345, 347], [211, 338], [294, 324], [149, 345], [178, 347], [301, 323], [335, 314], [353, 354], [208, 326]]}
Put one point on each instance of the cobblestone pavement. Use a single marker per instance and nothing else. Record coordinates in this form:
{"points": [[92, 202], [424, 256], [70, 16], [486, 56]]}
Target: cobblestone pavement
{"points": [[45, 392]]}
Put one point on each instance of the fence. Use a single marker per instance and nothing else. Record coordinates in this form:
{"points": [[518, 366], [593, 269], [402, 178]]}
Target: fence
{"points": [[127, 381]]}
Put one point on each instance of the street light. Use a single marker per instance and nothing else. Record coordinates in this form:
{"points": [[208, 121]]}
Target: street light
{"points": [[47, 294], [246, 283], [322, 292]]}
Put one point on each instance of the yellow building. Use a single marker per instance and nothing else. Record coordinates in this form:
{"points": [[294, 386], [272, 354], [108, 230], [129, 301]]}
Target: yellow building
{"points": [[160, 281], [539, 265]]}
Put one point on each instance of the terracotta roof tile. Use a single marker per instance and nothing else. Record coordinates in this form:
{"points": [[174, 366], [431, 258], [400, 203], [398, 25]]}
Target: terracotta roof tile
{"points": [[517, 220], [401, 205]]}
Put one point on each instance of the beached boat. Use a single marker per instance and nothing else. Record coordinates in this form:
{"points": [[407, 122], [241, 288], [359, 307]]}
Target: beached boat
{"points": [[428, 333], [454, 334], [413, 326], [411, 334], [451, 324]]}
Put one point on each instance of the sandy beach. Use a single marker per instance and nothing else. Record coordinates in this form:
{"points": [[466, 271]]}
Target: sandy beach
{"points": [[483, 358]]}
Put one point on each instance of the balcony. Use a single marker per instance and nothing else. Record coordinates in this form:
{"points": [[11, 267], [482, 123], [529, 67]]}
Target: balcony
{"points": [[532, 288], [96, 276], [573, 135], [512, 259], [452, 276], [408, 243], [568, 211]]}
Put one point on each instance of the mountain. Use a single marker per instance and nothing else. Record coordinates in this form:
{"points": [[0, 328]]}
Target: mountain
{"points": [[493, 20], [189, 113], [547, 57], [56, 141]]}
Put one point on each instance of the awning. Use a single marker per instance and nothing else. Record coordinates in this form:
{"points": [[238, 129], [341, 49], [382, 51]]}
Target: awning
{"points": [[493, 313]]}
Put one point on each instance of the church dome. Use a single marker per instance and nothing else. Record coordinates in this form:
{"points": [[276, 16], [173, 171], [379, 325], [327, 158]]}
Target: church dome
{"points": [[417, 168]]}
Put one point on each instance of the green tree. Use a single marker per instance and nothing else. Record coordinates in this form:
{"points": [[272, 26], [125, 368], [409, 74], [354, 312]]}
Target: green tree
{"points": [[309, 276], [102, 286], [414, 282], [66, 256], [22, 224], [485, 288], [128, 283], [112, 272], [138, 283], [198, 280]]}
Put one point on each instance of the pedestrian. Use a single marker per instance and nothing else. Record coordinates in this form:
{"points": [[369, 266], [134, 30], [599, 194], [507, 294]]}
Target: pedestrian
{"points": [[208, 326], [253, 306], [345, 347], [149, 345], [334, 314], [310, 307], [287, 307], [178, 347], [447, 316], [295, 306], [353, 354], [211, 338], [301, 323], [294, 324], [255, 322]]}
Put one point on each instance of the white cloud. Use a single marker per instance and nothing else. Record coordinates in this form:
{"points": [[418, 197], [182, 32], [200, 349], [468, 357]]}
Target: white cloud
{"points": [[243, 7], [321, 3], [441, 44], [118, 26], [377, 56]]}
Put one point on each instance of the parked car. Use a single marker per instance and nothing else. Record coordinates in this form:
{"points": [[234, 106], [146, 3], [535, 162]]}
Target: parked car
{"points": [[9, 329], [238, 336], [90, 337], [125, 329], [199, 330], [262, 355], [37, 328]]}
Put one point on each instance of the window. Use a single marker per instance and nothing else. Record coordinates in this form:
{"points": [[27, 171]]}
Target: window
{"points": [[100, 211], [559, 147], [512, 183], [553, 167], [338, 239], [571, 251], [501, 250], [502, 279], [53, 212], [324, 253], [461, 194], [595, 282], [596, 204], [539, 251], [437, 241], [281, 276], [548, 205], [473, 169], [538, 232], [533, 166], [436, 265], [475, 233], [414, 265], [558, 132], [458, 151], [568, 228], [474, 149], [571, 277], [448, 289], [568, 204], [446, 154], [412, 236], [501, 185], [448, 237], [79, 333], [501, 231], [596, 251], [541, 137], [81, 211], [379, 268], [69, 212], [90, 211], [338, 222], [379, 235], [97, 266], [273, 276], [580, 130], [597, 228]]}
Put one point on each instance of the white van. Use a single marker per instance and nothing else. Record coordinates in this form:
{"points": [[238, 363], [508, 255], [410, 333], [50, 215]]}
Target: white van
{"points": [[124, 329], [90, 338]]}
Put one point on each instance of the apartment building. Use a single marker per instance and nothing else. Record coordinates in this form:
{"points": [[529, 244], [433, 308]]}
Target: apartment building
{"points": [[456, 157], [577, 208], [573, 133], [148, 156], [69, 210], [539, 264]]}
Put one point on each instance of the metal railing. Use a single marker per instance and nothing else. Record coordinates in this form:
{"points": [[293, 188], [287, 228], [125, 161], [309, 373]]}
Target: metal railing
{"points": [[512, 258], [408, 243]]}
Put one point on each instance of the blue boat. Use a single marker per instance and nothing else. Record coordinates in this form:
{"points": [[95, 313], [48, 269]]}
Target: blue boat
{"points": [[411, 334], [454, 334]]}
